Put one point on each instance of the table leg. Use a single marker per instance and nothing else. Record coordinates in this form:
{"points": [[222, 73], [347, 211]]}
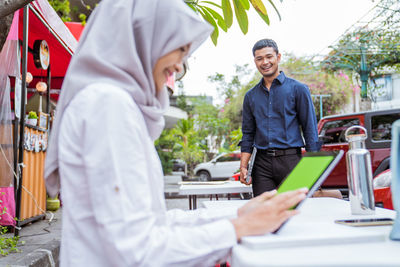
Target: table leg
{"points": [[190, 202], [194, 202]]}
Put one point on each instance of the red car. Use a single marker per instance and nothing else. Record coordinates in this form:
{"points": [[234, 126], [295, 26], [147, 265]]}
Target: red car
{"points": [[236, 176], [378, 124], [382, 190]]}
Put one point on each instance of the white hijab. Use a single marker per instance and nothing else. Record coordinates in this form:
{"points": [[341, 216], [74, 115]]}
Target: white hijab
{"points": [[120, 45]]}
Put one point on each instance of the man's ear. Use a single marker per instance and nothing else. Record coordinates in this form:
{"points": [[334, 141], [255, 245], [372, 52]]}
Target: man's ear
{"points": [[279, 57]]}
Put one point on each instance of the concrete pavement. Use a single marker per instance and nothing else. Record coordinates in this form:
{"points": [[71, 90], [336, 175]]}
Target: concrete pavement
{"points": [[42, 244]]}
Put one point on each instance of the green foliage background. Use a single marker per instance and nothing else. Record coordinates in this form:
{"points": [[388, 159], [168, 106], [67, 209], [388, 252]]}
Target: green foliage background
{"points": [[339, 85]]}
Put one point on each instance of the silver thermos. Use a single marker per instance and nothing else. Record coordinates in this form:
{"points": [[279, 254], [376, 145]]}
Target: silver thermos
{"points": [[359, 173]]}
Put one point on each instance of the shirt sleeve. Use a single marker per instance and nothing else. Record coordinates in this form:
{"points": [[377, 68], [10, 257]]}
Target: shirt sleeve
{"points": [[248, 126], [200, 216], [131, 228], [307, 118]]}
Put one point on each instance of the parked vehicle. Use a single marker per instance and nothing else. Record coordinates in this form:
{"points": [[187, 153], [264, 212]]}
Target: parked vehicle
{"points": [[382, 190], [236, 176], [178, 165], [331, 131], [220, 167]]}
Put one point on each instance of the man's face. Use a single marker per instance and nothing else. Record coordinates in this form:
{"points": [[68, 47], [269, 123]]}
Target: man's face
{"points": [[267, 61]]}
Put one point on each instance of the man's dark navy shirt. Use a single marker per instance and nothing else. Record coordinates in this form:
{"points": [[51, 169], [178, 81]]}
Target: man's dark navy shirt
{"points": [[272, 119]]}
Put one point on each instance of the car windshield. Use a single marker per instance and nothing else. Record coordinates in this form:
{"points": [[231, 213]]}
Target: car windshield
{"points": [[229, 157]]}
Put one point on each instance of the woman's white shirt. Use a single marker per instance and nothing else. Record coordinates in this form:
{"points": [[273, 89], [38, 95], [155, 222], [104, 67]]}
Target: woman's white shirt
{"points": [[112, 191]]}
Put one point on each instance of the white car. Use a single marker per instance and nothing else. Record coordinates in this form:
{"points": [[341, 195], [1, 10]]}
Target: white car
{"points": [[221, 167]]}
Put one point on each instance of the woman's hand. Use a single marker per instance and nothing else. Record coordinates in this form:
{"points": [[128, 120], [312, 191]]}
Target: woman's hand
{"points": [[265, 213]]}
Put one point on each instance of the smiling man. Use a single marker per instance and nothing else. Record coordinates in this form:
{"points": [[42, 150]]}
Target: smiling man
{"points": [[273, 112]]}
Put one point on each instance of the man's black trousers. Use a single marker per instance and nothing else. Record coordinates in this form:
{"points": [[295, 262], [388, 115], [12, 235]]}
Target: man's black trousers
{"points": [[271, 167]]}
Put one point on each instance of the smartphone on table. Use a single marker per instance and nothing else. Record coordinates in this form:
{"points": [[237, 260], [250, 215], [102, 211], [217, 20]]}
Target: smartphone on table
{"points": [[366, 222]]}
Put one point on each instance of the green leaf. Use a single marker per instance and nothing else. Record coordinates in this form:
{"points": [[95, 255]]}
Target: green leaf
{"points": [[264, 17], [211, 3], [241, 16], [218, 17], [214, 36], [192, 7], [277, 12], [245, 4], [207, 16], [228, 14], [259, 6]]}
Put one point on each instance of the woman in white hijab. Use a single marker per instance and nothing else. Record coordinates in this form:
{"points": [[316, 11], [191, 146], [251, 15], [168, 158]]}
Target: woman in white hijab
{"points": [[109, 113]]}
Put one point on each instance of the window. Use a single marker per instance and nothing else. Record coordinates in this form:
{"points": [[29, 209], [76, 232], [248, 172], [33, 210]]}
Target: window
{"points": [[382, 126], [333, 131], [382, 88], [229, 157]]}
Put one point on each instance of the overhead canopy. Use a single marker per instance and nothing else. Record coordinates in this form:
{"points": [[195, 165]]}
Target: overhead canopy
{"points": [[45, 24], [75, 28]]}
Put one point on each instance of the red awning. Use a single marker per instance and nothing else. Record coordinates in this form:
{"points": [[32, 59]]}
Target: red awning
{"points": [[44, 26], [76, 29]]}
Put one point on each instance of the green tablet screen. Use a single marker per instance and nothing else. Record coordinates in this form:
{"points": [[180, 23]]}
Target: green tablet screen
{"points": [[306, 173]]}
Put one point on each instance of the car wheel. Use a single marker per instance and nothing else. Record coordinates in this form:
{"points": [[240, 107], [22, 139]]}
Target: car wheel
{"points": [[204, 176]]}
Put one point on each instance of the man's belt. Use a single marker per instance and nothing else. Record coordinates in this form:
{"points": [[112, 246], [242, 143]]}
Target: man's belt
{"points": [[280, 152]]}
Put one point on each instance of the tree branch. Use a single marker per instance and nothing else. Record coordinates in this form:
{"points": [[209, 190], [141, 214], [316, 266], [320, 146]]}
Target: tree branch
{"points": [[8, 7]]}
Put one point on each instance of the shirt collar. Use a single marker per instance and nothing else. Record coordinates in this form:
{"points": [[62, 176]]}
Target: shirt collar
{"points": [[281, 78]]}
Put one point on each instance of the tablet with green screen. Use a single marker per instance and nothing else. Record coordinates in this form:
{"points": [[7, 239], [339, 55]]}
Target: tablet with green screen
{"points": [[310, 172], [306, 173]]}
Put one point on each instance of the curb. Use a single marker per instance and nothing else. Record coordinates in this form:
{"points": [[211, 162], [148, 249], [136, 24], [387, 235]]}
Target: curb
{"points": [[47, 255]]}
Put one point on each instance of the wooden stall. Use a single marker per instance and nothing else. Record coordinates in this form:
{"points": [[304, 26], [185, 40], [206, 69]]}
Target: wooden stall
{"points": [[33, 191]]}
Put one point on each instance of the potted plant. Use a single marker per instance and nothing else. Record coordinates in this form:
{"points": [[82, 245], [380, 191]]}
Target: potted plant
{"points": [[32, 118]]}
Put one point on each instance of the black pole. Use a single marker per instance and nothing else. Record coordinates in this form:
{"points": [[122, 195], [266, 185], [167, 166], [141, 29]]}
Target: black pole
{"points": [[48, 90], [22, 119], [15, 146]]}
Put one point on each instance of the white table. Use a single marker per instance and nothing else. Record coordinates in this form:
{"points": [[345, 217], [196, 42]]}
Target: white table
{"points": [[313, 239], [192, 190]]}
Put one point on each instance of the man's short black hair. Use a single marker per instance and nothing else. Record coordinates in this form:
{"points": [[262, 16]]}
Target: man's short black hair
{"points": [[265, 43]]}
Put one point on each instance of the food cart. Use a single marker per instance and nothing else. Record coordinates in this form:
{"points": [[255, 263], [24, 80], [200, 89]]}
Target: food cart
{"points": [[36, 33]]}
